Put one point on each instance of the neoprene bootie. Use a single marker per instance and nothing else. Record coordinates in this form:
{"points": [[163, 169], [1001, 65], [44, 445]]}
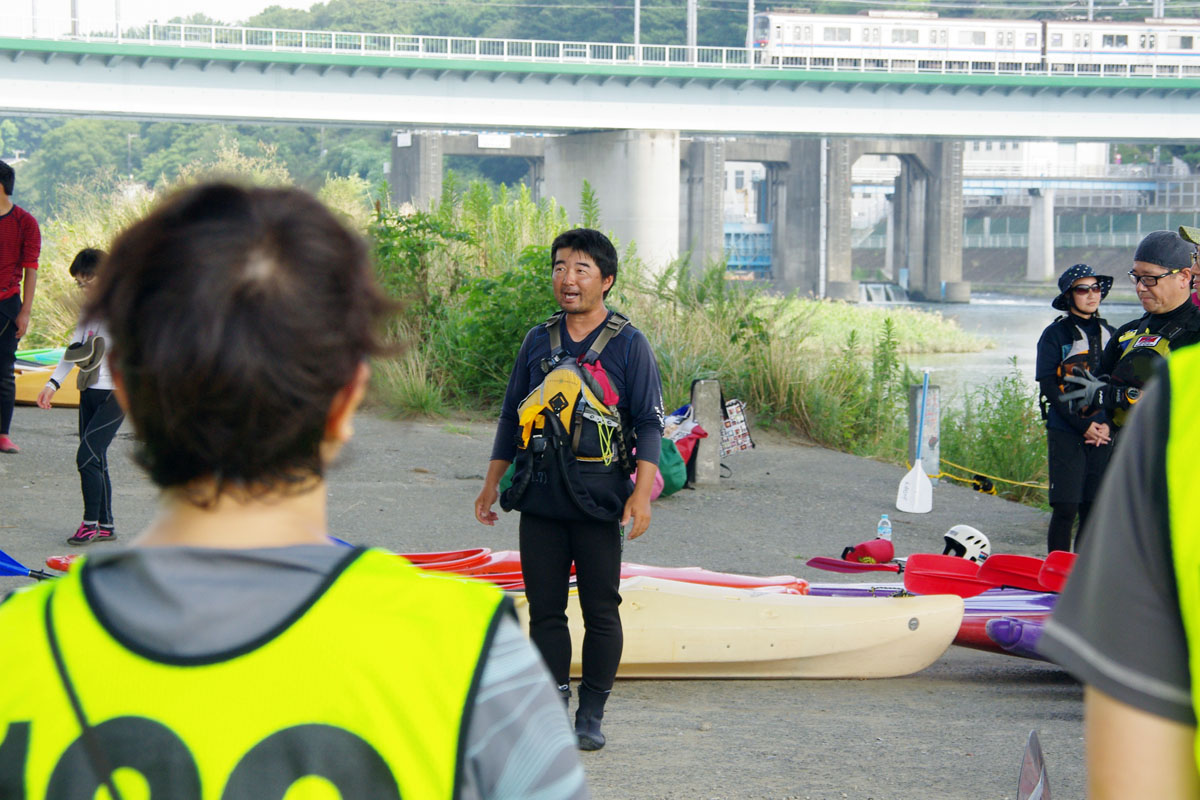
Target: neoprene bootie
{"points": [[564, 692], [587, 718]]}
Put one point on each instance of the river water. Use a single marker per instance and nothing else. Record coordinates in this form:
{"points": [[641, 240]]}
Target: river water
{"points": [[1013, 324]]}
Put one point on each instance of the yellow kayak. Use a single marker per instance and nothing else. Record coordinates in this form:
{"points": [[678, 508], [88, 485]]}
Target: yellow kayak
{"points": [[30, 381]]}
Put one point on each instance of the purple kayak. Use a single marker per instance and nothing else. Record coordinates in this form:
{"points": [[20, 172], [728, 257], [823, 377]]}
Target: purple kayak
{"points": [[1024, 612]]}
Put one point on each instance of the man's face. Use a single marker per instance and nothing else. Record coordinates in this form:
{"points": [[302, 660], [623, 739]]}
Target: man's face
{"points": [[1168, 293], [578, 285]]}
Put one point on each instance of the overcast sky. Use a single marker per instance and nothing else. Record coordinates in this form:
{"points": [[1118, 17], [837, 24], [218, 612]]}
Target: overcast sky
{"points": [[135, 11]]}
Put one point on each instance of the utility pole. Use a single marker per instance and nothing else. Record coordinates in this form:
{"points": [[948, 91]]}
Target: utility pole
{"points": [[1091, 10], [74, 17], [749, 24], [637, 24], [691, 30]]}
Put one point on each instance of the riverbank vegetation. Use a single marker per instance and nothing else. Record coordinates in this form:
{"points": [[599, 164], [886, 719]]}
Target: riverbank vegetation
{"points": [[473, 275]]}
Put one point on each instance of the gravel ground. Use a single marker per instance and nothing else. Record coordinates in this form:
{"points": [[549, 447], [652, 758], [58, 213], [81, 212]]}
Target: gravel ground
{"points": [[955, 730]]}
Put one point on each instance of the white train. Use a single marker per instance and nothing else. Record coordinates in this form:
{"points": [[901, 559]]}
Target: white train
{"points": [[922, 41]]}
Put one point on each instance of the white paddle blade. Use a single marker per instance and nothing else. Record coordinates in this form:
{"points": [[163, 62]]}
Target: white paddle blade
{"points": [[916, 492]]}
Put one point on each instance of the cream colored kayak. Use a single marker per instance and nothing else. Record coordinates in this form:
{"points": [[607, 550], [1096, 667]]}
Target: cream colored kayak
{"points": [[683, 630]]}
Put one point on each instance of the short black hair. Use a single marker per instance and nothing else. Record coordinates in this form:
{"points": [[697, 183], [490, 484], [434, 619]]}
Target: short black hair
{"points": [[593, 243], [8, 177], [86, 262], [236, 316]]}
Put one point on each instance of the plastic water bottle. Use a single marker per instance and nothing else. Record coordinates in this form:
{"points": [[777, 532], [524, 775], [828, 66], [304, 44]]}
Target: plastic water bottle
{"points": [[884, 529]]}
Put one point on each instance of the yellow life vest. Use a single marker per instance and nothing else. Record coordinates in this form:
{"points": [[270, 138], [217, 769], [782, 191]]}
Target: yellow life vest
{"points": [[362, 694], [1183, 442], [1141, 352]]}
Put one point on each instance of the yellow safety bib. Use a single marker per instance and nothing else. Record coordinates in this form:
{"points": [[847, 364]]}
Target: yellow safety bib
{"points": [[1183, 443], [363, 694]]}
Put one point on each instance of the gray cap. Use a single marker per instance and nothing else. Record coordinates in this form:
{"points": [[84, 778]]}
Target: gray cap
{"points": [[1166, 249]]}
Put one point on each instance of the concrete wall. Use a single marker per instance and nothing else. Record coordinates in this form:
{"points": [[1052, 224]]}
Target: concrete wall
{"points": [[635, 175]]}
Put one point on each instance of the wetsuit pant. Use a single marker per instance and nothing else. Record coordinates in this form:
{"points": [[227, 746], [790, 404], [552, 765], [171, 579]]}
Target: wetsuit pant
{"points": [[548, 546], [9, 308], [1075, 470], [99, 418]]}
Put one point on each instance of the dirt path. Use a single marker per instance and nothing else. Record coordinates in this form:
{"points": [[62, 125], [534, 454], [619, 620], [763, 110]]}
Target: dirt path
{"points": [[954, 731]]}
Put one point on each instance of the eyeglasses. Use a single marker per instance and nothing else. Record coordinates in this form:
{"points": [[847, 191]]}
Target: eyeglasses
{"points": [[1150, 280], [1086, 288]]}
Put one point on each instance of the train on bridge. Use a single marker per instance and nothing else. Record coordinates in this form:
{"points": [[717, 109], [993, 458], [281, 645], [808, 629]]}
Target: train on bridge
{"points": [[897, 41]]}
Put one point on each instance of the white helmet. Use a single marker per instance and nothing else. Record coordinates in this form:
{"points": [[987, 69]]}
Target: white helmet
{"points": [[967, 542]]}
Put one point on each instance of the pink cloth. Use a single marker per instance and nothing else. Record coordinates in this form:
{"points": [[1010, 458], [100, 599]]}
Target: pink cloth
{"points": [[610, 394]]}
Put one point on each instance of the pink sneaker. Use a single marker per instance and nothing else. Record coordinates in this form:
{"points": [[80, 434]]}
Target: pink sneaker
{"points": [[89, 533], [7, 445]]}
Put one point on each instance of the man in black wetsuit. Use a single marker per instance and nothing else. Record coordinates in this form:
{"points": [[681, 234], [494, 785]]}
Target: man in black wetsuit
{"points": [[583, 270], [1161, 275]]}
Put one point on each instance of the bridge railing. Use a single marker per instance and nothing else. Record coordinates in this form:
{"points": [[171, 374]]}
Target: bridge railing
{"points": [[529, 50]]}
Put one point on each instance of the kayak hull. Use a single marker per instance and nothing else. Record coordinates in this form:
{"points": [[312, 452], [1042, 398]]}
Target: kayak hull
{"points": [[682, 630], [31, 380]]}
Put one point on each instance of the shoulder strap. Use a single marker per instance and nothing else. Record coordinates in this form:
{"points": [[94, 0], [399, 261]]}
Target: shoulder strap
{"points": [[615, 323], [553, 330]]}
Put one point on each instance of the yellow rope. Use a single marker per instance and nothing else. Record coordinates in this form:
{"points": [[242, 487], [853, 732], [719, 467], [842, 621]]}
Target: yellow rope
{"points": [[993, 477]]}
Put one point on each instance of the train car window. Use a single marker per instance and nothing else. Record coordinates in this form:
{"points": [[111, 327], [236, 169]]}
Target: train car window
{"points": [[1118, 40], [778, 33], [762, 26], [808, 33], [866, 34], [987, 146], [1179, 42], [1087, 40], [972, 37], [904, 36], [1078, 40], [975, 146], [1152, 41], [797, 33], [739, 180], [1008, 38], [1031, 40], [875, 35], [1016, 145], [837, 34], [1056, 40]]}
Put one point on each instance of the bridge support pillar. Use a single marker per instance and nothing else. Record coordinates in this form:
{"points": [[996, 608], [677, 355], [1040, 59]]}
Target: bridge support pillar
{"points": [[416, 168], [944, 224], [1039, 264], [796, 245], [635, 177], [839, 278], [701, 201]]}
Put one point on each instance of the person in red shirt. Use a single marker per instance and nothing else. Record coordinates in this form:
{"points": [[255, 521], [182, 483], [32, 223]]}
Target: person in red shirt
{"points": [[20, 246]]}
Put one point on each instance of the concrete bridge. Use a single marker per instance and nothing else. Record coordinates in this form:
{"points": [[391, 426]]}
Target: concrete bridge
{"points": [[649, 128]]}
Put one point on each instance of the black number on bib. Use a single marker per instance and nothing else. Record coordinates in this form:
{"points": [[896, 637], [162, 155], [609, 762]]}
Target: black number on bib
{"points": [[148, 747], [13, 752], [339, 756]]}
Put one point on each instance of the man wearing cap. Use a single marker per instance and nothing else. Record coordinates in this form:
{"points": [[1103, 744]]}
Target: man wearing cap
{"points": [[1162, 277], [1192, 235], [1078, 444]]}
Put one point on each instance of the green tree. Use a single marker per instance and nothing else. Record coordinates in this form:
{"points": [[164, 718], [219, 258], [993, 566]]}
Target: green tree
{"points": [[77, 150]]}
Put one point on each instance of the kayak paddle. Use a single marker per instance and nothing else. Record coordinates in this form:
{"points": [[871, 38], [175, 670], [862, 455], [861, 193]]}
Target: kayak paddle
{"points": [[1056, 569], [932, 573], [10, 566], [1033, 783], [1018, 572], [841, 565], [915, 494]]}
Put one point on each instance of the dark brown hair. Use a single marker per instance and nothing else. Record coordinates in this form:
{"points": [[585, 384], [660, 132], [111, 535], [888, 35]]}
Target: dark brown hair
{"points": [[236, 316]]}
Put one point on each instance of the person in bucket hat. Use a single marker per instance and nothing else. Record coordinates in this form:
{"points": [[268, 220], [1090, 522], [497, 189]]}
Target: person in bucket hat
{"points": [[1162, 277], [1078, 444]]}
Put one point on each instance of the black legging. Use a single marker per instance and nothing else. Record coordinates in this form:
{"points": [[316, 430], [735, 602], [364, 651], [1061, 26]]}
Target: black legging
{"points": [[8, 357], [548, 547], [99, 418], [1062, 520]]}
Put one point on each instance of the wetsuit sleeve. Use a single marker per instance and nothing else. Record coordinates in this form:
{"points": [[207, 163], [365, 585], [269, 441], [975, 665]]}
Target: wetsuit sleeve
{"points": [[1049, 356], [504, 446], [518, 742], [1117, 625], [644, 386]]}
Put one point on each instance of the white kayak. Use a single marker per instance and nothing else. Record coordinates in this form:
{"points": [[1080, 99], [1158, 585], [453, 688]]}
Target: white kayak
{"points": [[683, 630]]}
